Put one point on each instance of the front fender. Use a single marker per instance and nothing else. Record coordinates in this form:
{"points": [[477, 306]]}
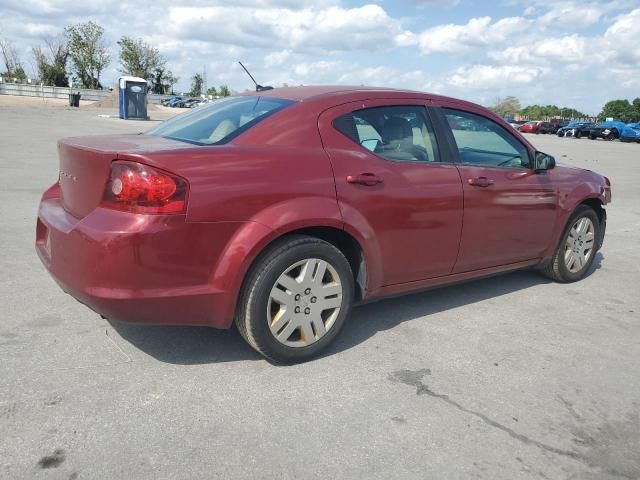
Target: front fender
{"points": [[567, 204]]}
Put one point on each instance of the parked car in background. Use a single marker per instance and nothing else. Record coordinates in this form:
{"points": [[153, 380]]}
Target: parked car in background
{"points": [[191, 103], [607, 130], [576, 129], [184, 103], [630, 133], [173, 101], [166, 101], [543, 127], [552, 126], [529, 127], [279, 210]]}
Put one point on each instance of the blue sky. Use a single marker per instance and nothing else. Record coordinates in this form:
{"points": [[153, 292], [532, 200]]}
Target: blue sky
{"points": [[570, 53]]}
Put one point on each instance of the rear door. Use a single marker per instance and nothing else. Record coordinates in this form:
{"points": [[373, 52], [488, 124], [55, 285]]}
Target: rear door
{"points": [[393, 181], [509, 209]]}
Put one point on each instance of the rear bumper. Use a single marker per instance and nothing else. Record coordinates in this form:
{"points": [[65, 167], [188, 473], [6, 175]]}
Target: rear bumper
{"points": [[152, 269]]}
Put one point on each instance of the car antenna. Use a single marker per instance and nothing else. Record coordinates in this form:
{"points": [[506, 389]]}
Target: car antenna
{"points": [[259, 88]]}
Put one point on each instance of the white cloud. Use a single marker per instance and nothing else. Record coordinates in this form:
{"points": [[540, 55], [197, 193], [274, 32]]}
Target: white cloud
{"points": [[493, 77], [333, 28], [623, 38], [477, 32], [572, 14], [275, 59]]}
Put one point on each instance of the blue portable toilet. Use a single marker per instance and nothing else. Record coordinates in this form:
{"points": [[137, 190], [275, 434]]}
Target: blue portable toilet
{"points": [[132, 98]]}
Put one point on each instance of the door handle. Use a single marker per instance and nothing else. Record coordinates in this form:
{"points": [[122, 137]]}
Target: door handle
{"points": [[367, 179], [480, 181]]}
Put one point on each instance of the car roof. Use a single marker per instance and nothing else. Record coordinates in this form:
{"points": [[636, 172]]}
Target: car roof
{"points": [[344, 92]]}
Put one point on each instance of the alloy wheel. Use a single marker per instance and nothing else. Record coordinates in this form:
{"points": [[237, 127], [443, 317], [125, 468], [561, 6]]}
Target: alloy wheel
{"points": [[304, 302], [579, 245]]}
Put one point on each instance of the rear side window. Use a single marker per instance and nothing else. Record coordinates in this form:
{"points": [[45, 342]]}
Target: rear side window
{"points": [[399, 133], [483, 142], [220, 121]]}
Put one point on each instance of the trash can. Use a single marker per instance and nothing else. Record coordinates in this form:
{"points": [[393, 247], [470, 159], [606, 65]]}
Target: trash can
{"points": [[132, 98], [74, 99]]}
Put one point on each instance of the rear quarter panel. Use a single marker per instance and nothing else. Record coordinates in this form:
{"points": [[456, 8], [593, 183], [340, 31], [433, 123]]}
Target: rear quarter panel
{"points": [[266, 183]]}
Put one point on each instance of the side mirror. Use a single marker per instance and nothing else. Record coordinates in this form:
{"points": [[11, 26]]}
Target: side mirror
{"points": [[544, 162]]}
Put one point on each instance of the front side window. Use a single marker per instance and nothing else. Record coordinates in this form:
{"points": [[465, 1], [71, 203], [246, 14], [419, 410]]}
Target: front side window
{"points": [[399, 133], [220, 121], [483, 142]]}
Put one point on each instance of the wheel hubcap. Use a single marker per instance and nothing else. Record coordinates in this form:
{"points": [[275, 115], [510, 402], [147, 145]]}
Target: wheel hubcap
{"points": [[579, 246], [304, 303]]}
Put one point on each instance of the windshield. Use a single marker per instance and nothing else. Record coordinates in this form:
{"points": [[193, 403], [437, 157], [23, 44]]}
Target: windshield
{"points": [[219, 121]]}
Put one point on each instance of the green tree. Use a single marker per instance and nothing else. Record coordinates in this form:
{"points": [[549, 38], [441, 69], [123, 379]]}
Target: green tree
{"points": [[162, 80], [51, 62], [508, 106], [621, 110], [545, 112], [13, 66], [197, 82], [636, 109], [88, 53], [139, 59], [224, 91], [211, 91]]}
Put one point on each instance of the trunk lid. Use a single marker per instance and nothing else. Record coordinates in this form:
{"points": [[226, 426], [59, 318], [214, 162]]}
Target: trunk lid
{"points": [[85, 165]]}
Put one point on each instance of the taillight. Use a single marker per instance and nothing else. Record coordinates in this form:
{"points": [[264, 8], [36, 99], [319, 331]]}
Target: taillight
{"points": [[134, 187]]}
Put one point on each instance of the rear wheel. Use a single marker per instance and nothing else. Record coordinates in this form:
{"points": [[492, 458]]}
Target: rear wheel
{"points": [[611, 136], [295, 299], [578, 246]]}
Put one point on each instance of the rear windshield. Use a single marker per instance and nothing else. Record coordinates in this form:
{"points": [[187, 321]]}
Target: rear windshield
{"points": [[220, 121]]}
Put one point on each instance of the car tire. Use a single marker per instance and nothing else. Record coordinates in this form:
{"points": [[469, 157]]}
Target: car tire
{"points": [[578, 134], [610, 137], [560, 134], [592, 137], [568, 263], [307, 329]]}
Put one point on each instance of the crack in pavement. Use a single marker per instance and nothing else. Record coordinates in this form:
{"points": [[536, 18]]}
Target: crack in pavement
{"points": [[414, 379]]}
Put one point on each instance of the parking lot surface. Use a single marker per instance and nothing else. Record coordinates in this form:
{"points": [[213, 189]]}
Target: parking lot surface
{"points": [[512, 377]]}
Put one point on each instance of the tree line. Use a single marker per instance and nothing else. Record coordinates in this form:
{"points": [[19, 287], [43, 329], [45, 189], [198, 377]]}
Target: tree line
{"points": [[622, 110], [80, 54]]}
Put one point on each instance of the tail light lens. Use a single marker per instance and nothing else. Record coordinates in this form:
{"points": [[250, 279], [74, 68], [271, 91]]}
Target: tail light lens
{"points": [[138, 188]]}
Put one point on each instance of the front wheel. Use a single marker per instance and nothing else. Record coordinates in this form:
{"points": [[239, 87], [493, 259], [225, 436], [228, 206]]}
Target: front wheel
{"points": [[578, 134], [295, 299], [577, 249]]}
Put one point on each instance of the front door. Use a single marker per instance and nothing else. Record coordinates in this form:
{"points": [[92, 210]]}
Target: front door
{"points": [[509, 208], [393, 181]]}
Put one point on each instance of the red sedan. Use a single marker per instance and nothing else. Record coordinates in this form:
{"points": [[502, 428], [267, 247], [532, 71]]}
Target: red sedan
{"points": [[529, 127], [279, 210]]}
